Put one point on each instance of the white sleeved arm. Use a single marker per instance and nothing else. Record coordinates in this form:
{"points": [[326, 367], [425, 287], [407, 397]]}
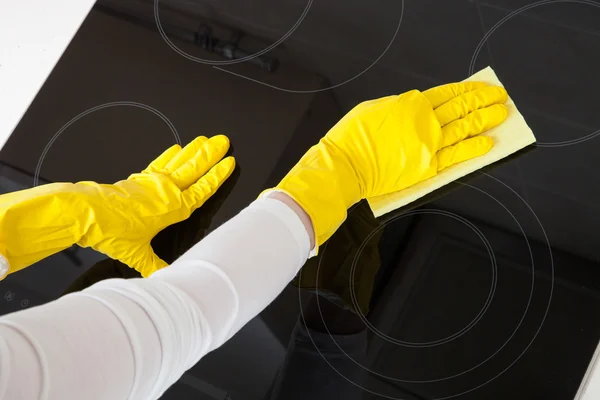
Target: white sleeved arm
{"points": [[132, 339]]}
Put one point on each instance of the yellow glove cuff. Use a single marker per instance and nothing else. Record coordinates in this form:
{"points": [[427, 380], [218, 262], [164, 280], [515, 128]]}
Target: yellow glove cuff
{"points": [[324, 192]]}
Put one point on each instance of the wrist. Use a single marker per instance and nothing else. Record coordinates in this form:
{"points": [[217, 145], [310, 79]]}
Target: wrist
{"points": [[37, 223], [300, 212], [324, 184]]}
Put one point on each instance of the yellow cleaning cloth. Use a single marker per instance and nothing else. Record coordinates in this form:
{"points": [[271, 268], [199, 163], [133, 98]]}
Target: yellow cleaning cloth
{"points": [[509, 137]]}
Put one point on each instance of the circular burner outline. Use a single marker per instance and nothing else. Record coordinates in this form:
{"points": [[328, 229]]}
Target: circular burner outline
{"points": [[215, 64], [463, 330], [146, 107], [524, 314], [502, 22]]}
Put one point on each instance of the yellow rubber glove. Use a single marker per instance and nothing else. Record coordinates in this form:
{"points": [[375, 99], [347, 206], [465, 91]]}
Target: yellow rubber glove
{"points": [[388, 144], [118, 220]]}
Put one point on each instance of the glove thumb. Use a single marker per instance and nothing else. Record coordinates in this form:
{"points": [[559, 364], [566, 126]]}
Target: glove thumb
{"points": [[145, 261]]}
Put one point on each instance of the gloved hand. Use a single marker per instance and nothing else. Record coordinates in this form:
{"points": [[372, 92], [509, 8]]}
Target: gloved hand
{"points": [[169, 244], [118, 220], [388, 144]]}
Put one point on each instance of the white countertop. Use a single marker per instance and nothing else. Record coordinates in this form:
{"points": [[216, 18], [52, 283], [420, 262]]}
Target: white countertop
{"points": [[33, 36]]}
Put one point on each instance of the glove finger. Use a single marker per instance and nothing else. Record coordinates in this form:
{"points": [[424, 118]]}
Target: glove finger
{"points": [[185, 154], [441, 94], [206, 186], [161, 161], [462, 151], [463, 105], [473, 124], [144, 261], [211, 152]]}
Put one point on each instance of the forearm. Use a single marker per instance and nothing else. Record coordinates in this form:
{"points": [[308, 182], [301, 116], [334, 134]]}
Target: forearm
{"points": [[135, 338], [299, 211]]}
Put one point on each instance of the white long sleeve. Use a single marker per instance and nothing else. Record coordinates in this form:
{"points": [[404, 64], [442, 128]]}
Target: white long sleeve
{"points": [[132, 339]]}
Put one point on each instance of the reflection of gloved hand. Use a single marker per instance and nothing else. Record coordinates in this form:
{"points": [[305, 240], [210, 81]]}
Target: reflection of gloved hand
{"points": [[386, 145], [118, 220], [334, 274]]}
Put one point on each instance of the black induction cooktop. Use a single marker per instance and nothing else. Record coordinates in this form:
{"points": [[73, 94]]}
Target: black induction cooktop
{"points": [[487, 288]]}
